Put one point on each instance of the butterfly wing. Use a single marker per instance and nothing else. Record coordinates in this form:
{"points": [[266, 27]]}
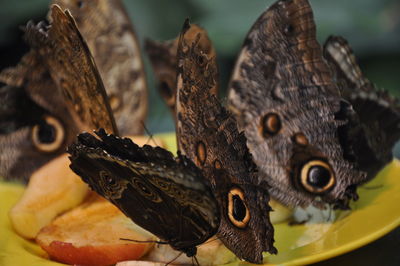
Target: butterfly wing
{"points": [[284, 97], [105, 26], [378, 113], [163, 58], [36, 124], [66, 55], [166, 196], [208, 135], [39, 121]]}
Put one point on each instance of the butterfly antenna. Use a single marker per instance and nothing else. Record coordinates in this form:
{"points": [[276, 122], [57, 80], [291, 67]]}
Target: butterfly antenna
{"points": [[195, 260], [149, 133], [145, 241], [174, 259]]}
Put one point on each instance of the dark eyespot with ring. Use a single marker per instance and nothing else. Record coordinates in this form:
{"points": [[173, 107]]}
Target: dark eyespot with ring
{"points": [[238, 212], [109, 186], [317, 177], [107, 178], [270, 125], [146, 191], [48, 136]]}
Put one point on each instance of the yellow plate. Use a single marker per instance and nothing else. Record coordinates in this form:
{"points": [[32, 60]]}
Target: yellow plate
{"points": [[376, 213]]}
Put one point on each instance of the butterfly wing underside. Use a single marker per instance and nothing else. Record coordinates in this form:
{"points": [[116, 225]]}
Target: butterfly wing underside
{"points": [[377, 125], [62, 47], [111, 38], [165, 195], [39, 121], [284, 97], [163, 58], [35, 124], [208, 135]]}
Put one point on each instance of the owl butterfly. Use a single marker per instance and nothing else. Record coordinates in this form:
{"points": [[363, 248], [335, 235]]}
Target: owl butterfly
{"points": [[149, 185], [105, 26], [167, 196], [185, 201], [300, 131], [163, 58], [37, 123], [208, 135]]}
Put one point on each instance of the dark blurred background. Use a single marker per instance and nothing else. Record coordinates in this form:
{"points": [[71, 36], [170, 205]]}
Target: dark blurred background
{"points": [[371, 26]]}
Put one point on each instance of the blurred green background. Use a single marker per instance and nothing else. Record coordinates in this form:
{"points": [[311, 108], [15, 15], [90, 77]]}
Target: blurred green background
{"points": [[371, 26]]}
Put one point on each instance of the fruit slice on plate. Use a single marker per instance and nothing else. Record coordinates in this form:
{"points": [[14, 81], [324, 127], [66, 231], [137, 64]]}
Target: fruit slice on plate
{"points": [[52, 189], [90, 235]]}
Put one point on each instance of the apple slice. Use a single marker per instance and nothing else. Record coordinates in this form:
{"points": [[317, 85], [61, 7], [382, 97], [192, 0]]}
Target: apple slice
{"points": [[90, 235], [52, 189]]}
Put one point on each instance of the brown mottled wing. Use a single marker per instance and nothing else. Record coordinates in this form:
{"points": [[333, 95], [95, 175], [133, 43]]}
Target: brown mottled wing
{"points": [[163, 58], [105, 26], [208, 135], [284, 97], [35, 122], [37, 84], [378, 112], [165, 195], [62, 47]]}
